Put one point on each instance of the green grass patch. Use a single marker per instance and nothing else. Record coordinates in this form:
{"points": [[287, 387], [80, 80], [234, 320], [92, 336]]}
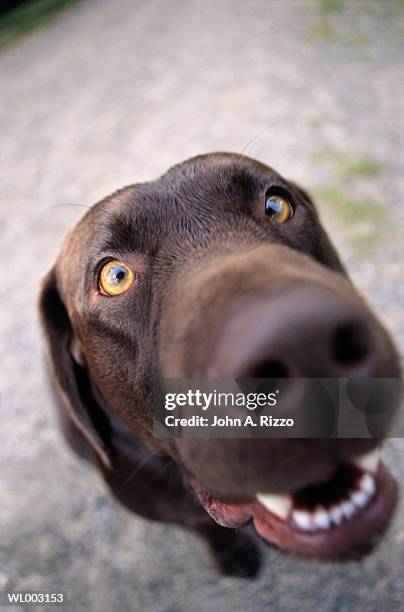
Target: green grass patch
{"points": [[324, 31], [329, 28], [350, 165], [360, 165], [364, 221], [352, 210], [331, 6], [321, 31], [28, 17]]}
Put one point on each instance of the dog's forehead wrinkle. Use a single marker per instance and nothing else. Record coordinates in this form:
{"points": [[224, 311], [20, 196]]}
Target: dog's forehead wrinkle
{"points": [[220, 172], [150, 229], [222, 185], [219, 161], [190, 197], [201, 181], [203, 239], [208, 202]]}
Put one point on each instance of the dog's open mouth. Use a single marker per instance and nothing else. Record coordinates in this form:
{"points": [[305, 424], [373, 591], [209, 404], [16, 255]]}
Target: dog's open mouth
{"points": [[342, 517]]}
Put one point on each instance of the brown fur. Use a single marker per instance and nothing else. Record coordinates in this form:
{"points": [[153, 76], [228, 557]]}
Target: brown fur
{"points": [[200, 242]]}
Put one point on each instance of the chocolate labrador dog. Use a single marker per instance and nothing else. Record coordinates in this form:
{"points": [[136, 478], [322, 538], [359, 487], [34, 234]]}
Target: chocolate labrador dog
{"points": [[220, 268]]}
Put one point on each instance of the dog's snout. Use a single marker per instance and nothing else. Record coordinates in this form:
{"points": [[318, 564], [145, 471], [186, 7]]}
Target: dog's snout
{"points": [[302, 331]]}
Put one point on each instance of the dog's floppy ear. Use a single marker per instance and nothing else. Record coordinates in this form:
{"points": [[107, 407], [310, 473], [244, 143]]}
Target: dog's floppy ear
{"points": [[70, 376]]}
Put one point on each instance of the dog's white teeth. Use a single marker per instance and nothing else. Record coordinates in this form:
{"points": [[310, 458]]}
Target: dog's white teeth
{"points": [[278, 504], [368, 462], [359, 498], [325, 518], [321, 519], [336, 515], [367, 484], [304, 520], [348, 509]]}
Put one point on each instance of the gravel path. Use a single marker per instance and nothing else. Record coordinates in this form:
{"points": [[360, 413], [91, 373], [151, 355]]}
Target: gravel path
{"points": [[115, 92]]}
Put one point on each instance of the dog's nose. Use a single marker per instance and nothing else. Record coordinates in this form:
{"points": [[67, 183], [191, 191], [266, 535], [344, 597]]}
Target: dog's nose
{"points": [[301, 331]]}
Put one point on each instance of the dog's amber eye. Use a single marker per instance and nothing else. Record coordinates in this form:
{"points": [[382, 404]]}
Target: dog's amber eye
{"points": [[115, 278], [278, 208]]}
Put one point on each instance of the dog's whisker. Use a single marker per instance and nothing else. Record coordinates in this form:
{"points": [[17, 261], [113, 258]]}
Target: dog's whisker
{"points": [[158, 472], [64, 205], [259, 134], [137, 469]]}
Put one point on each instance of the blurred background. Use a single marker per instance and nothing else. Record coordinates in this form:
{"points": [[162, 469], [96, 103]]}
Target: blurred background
{"points": [[96, 94]]}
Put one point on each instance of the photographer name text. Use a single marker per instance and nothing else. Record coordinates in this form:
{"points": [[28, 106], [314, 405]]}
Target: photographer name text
{"points": [[248, 421]]}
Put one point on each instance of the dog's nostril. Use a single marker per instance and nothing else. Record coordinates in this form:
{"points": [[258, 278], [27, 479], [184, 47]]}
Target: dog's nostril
{"points": [[349, 344], [269, 369]]}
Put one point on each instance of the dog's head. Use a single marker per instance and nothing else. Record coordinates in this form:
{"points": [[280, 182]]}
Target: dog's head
{"points": [[222, 269]]}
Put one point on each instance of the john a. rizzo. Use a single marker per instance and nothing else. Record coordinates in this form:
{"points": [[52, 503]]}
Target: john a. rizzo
{"points": [[227, 421]]}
